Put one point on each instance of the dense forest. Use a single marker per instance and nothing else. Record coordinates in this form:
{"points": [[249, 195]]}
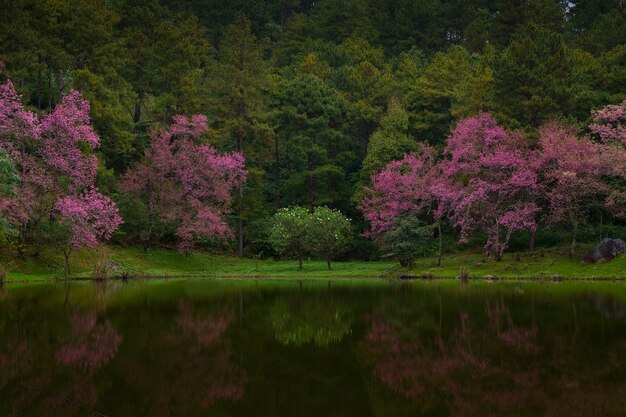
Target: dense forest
{"points": [[320, 98]]}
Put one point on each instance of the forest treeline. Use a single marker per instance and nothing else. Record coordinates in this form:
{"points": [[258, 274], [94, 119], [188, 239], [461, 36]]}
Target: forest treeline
{"points": [[316, 95]]}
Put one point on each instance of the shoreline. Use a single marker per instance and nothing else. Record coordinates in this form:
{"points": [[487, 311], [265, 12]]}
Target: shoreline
{"points": [[243, 277]]}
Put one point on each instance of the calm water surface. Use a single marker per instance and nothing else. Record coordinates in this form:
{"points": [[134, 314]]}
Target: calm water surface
{"points": [[312, 348]]}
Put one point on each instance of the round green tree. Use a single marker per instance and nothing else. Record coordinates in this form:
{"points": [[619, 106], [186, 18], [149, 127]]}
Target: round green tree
{"points": [[330, 233], [289, 233]]}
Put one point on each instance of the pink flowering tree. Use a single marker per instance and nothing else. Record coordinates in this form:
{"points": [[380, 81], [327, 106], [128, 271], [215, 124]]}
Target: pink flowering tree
{"points": [[609, 123], [185, 183], [402, 188], [56, 165], [87, 217], [575, 172], [488, 183]]}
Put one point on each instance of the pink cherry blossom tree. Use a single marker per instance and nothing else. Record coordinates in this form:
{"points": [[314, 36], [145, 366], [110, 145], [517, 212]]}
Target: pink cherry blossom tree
{"points": [[89, 216], [488, 182], [609, 123], [574, 171], [186, 183], [57, 171], [402, 187]]}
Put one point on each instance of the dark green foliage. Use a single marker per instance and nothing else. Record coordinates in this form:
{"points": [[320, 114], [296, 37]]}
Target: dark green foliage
{"points": [[9, 179], [313, 152], [390, 142], [408, 241], [532, 78]]}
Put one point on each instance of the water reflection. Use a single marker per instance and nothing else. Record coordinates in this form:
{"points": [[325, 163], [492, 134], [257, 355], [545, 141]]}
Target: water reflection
{"points": [[317, 320], [56, 374], [191, 348], [492, 365], [187, 363], [91, 345], [608, 306]]}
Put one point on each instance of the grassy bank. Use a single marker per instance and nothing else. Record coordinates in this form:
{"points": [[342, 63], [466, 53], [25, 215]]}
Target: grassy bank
{"points": [[540, 264], [161, 262]]}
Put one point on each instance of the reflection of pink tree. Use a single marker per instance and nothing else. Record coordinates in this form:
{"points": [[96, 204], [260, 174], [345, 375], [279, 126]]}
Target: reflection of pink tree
{"points": [[458, 368], [496, 369], [207, 330], [59, 380], [91, 345], [196, 358]]}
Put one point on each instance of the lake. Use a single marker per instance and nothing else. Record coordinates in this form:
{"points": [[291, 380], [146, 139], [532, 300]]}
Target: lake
{"points": [[312, 348]]}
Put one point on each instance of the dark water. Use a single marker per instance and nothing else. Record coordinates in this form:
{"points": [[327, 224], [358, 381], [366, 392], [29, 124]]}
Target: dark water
{"points": [[243, 348]]}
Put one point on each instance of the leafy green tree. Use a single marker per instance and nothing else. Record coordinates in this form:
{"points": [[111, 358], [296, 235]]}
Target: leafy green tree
{"points": [[390, 141], [604, 31], [329, 233], [410, 239], [614, 79], [313, 153], [337, 20], [109, 98], [9, 179], [292, 39], [408, 23], [454, 84], [289, 234], [366, 82], [532, 77], [241, 85]]}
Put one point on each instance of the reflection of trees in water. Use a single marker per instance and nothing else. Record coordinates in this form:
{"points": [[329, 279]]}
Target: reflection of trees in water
{"points": [[608, 306], [57, 379], [91, 345], [300, 321], [495, 369], [189, 367]]}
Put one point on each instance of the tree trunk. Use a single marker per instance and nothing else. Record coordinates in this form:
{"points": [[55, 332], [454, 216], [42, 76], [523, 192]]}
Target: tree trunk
{"points": [[240, 209], [499, 251], [66, 254], [572, 248], [60, 84], [532, 240], [328, 263], [240, 221], [49, 88], [39, 84], [310, 187], [137, 111], [440, 243], [276, 172], [300, 264]]}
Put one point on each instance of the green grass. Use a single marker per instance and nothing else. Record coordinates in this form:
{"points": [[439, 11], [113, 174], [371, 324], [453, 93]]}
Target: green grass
{"points": [[162, 262], [540, 264]]}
